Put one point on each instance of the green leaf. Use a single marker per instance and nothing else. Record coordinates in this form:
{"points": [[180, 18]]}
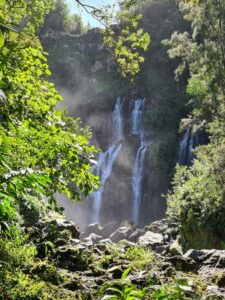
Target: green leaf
{"points": [[2, 39], [2, 3], [125, 273], [110, 297], [48, 72]]}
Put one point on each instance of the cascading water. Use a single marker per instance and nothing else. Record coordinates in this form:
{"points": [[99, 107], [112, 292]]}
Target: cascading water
{"points": [[118, 121], [184, 148], [137, 178], [188, 143], [137, 115], [106, 159], [137, 174], [103, 169], [121, 168]]}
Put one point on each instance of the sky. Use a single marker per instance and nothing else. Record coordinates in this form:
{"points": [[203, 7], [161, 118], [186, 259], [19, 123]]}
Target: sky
{"points": [[86, 17]]}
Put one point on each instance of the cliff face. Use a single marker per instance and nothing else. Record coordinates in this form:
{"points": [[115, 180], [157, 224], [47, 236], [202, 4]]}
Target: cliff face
{"points": [[87, 77]]}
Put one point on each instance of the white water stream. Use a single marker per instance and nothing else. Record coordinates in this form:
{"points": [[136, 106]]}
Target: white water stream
{"points": [[137, 174], [137, 179], [107, 159], [103, 169], [118, 121]]}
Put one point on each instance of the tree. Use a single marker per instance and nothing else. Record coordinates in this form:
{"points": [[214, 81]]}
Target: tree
{"points": [[197, 200], [122, 34], [42, 150], [60, 20]]}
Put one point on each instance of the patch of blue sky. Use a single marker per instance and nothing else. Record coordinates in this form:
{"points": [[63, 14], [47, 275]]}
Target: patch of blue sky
{"points": [[87, 18]]}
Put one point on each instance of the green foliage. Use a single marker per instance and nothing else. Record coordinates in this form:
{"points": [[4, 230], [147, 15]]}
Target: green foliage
{"points": [[140, 257], [176, 290], [41, 150], [121, 291], [53, 233], [127, 39], [137, 257], [61, 21], [22, 276], [179, 289], [196, 203], [15, 256]]}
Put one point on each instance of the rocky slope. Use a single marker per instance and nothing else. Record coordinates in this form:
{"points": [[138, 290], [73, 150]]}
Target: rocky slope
{"points": [[91, 264]]}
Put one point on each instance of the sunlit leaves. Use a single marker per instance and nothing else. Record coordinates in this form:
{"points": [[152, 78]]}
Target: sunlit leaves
{"points": [[122, 35], [127, 41], [42, 151], [2, 39]]}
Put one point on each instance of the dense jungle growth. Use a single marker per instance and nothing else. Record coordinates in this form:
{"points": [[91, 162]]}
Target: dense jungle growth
{"points": [[172, 51]]}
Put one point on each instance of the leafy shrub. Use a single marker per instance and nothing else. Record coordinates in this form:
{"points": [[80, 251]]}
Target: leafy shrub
{"points": [[176, 290], [196, 204], [139, 257], [122, 290]]}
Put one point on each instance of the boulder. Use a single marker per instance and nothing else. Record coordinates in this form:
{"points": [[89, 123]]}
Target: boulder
{"points": [[92, 228], [105, 241], [94, 238], [135, 235], [213, 293], [212, 258], [109, 228], [116, 272], [200, 256], [151, 239], [159, 226], [71, 258], [62, 224], [217, 259], [175, 248], [120, 234], [182, 263]]}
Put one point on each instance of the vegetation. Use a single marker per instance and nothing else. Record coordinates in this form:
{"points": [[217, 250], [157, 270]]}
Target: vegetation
{"points": [[196, 203], [60, 20], [127, 39], [43, 151], [125, 290]]}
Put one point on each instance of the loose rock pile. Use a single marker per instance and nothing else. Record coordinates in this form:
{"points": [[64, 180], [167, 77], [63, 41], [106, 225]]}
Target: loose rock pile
{"points": [[101, 254]]}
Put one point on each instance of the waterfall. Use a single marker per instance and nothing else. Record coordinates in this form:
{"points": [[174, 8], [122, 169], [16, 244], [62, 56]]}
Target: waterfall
{"points": [[106, 160], [137, 174], [188, 143], [137, 115], [103, 169], [104, 166], [137, 178], [118, 121], [184, 148]]}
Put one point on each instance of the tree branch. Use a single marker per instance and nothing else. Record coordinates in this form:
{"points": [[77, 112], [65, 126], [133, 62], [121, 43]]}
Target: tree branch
{"points": [[86, 7]]}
